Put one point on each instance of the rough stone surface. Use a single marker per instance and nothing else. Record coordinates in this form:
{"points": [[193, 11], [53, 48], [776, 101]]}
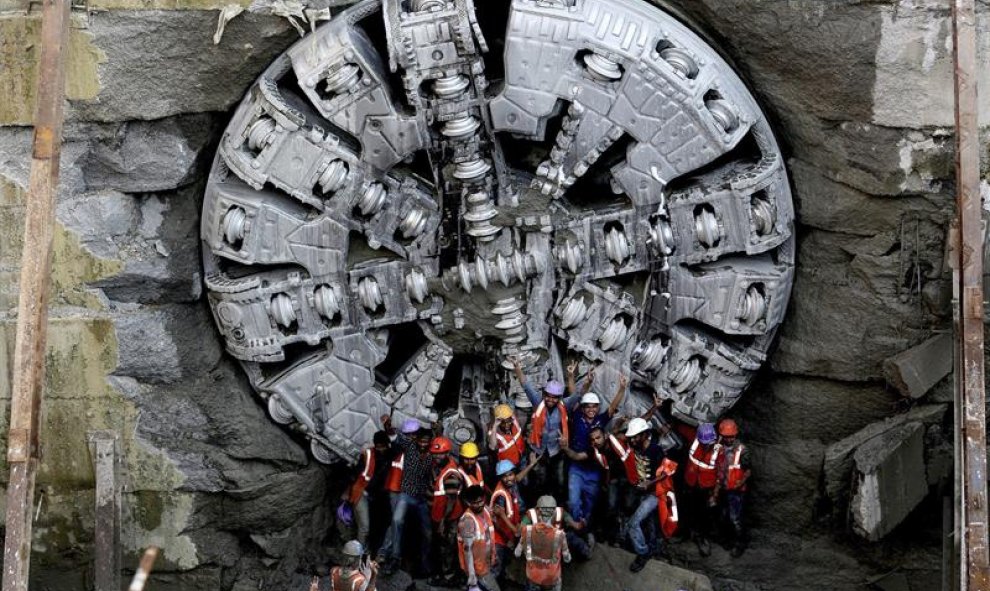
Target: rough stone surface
{"points": [[915, 371]]}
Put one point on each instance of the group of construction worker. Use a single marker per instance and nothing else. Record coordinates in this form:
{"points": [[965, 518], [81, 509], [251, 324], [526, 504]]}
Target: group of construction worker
{"points": [[618, 481]]}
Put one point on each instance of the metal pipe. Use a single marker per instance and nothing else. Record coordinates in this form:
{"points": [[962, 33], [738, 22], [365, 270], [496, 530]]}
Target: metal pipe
{"points": [[976, 559], [32, 304]]}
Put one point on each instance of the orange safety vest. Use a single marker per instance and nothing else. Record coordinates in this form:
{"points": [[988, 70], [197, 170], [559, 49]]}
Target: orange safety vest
{"points": [[558, 517], [543, 545], [540, 423], [700, 471], [666, 505], [511, 446], [353, 582], [439, 508], [361, 482], [735, 478], [503, 535], [483, 550], [393, 480], [627, 457], [472, 479]]}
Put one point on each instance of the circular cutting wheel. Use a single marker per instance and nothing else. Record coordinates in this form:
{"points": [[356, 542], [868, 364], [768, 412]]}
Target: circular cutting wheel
{"points": [[421, 190]]}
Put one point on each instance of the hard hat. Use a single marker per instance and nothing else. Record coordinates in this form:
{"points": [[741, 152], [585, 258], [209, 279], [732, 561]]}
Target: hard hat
{"points": [[410, 426], [590, 398], [503, 411], [546, 502], [728, 428], [668, 467], [440, 445], [706, 433], [554, 388], [353, 548], [504, 467], [637, 426], [470, 450], [345, 514]]}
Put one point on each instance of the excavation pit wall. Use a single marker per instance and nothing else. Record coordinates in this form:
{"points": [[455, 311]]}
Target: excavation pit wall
{"points": [[860, 96]]}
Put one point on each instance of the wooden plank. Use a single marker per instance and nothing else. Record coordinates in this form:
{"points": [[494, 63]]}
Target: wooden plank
{"points": [[106, 462]]}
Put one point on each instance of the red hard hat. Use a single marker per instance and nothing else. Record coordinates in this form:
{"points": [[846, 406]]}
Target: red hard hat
{"points": [[441, 445], [728, 428]]}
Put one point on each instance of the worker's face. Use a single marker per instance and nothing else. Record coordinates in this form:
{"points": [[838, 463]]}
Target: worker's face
{"points": [[469, 463], [509, 479], [505, 425], [551, 401], [478, 505], [423, 442], [640, 440], [590, 411], [727, 440], [597, 439], [439, 459], [381, 447]]}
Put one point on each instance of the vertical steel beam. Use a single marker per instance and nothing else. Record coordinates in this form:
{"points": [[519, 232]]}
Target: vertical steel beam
{"points": [[32, 304], [976, 560], [106, 463]]}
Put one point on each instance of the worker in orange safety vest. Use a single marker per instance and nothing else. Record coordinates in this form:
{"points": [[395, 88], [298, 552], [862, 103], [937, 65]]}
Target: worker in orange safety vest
{"points": [[544, 545], [506, 507], [355, 574], [476, 540], [700, 479], [446, 510], [666, 501], [733, 470], [505, 437], [368, 486]]}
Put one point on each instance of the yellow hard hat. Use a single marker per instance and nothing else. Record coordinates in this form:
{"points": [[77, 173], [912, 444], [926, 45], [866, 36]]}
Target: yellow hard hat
{"points": [[470, 450], [503, 411]]}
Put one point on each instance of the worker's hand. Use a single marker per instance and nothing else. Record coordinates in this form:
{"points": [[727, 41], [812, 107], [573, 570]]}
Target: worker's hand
{"points": [[623, 381], [518, 551], [572, 368], [386, 422], [579, 525], [374, 567], [590, 378], [314, 584], [567, 556], [515, 363], [642, 485]]}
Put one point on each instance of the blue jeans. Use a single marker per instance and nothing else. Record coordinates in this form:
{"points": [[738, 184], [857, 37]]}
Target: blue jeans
{"points": [[647, 509], [402, 504], [582, 491]]}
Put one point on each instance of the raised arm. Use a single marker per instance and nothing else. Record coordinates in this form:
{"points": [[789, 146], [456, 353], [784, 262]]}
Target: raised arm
{"points": [[533, 459], [620, 394], [531, 393]]}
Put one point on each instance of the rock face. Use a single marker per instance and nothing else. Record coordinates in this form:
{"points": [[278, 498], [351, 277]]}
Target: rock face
{"points": [[236, 503]]}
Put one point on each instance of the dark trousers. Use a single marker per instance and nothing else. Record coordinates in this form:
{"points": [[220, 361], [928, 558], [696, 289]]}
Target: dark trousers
{"points": [[547, 478], [700, 512]]}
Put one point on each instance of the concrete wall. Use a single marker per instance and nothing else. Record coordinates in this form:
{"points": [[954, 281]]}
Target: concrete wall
{"points": [[861, 92]]}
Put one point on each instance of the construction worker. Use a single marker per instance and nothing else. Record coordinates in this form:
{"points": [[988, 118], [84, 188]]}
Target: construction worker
{"points": [[549, 427], [393, 487], [700, 479], [506, 507], [505, 437], [449, 482], [733, 470], [666, 502], [355, 574], [584, 476], [544, 545], [413, 499], [476, 540], [565, 522], [368, 486], [641, 459], [468, 465]]}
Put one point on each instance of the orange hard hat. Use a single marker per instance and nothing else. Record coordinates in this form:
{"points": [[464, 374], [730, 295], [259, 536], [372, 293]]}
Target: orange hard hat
{"points": [[441, 445], [728, 428]]}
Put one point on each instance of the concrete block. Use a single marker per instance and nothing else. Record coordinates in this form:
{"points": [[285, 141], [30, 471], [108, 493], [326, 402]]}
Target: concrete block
{"points": [[915, 371], [889, 480]]}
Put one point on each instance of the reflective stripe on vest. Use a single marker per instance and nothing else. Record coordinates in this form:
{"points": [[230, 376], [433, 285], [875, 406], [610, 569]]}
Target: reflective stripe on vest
{"points": [[735, 478], [439, 508], [485, 534], [353, 582], [627, 457], [700, 471], [601, 459], [511, 448], [361, 483], [472, 480], [558, 517], [504, 536], [543, 571], [393, 483], [540, 424]]}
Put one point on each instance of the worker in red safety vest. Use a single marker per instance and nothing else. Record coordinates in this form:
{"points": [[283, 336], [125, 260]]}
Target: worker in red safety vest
{"points": [[448, 483], [393, 486], [666, 501], [476, 541], [641, 459], [369, 484], [544, 544], [505, 437], [700, 479], [355, 574], [507, 508], [733, 470]]}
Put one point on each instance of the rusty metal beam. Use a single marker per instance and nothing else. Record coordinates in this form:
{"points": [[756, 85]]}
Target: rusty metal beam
{"points": [[32, 304], [975, 562]]}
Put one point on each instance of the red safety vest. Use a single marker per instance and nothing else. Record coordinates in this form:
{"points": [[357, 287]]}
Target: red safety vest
{"points": [[472, 479], [558, 517], [540, 423], [666, 505], [543, 546], [361, 482], [627, 457], [353, 582], [393, 480], [735, 476], [511, 446], [439, 508], [483, 549], [700, 471], [503, 535]]}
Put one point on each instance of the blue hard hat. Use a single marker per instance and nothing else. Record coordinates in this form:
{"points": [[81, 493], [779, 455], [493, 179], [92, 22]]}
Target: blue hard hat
{"points": [[504, 467], [706, 433]]}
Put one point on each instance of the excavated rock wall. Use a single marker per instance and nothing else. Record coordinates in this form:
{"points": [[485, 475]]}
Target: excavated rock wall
{"points": [[861, 95]]}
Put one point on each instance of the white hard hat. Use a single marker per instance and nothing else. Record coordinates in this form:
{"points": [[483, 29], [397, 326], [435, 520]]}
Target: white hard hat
{"points": [[637, 426], [590, 398]]}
